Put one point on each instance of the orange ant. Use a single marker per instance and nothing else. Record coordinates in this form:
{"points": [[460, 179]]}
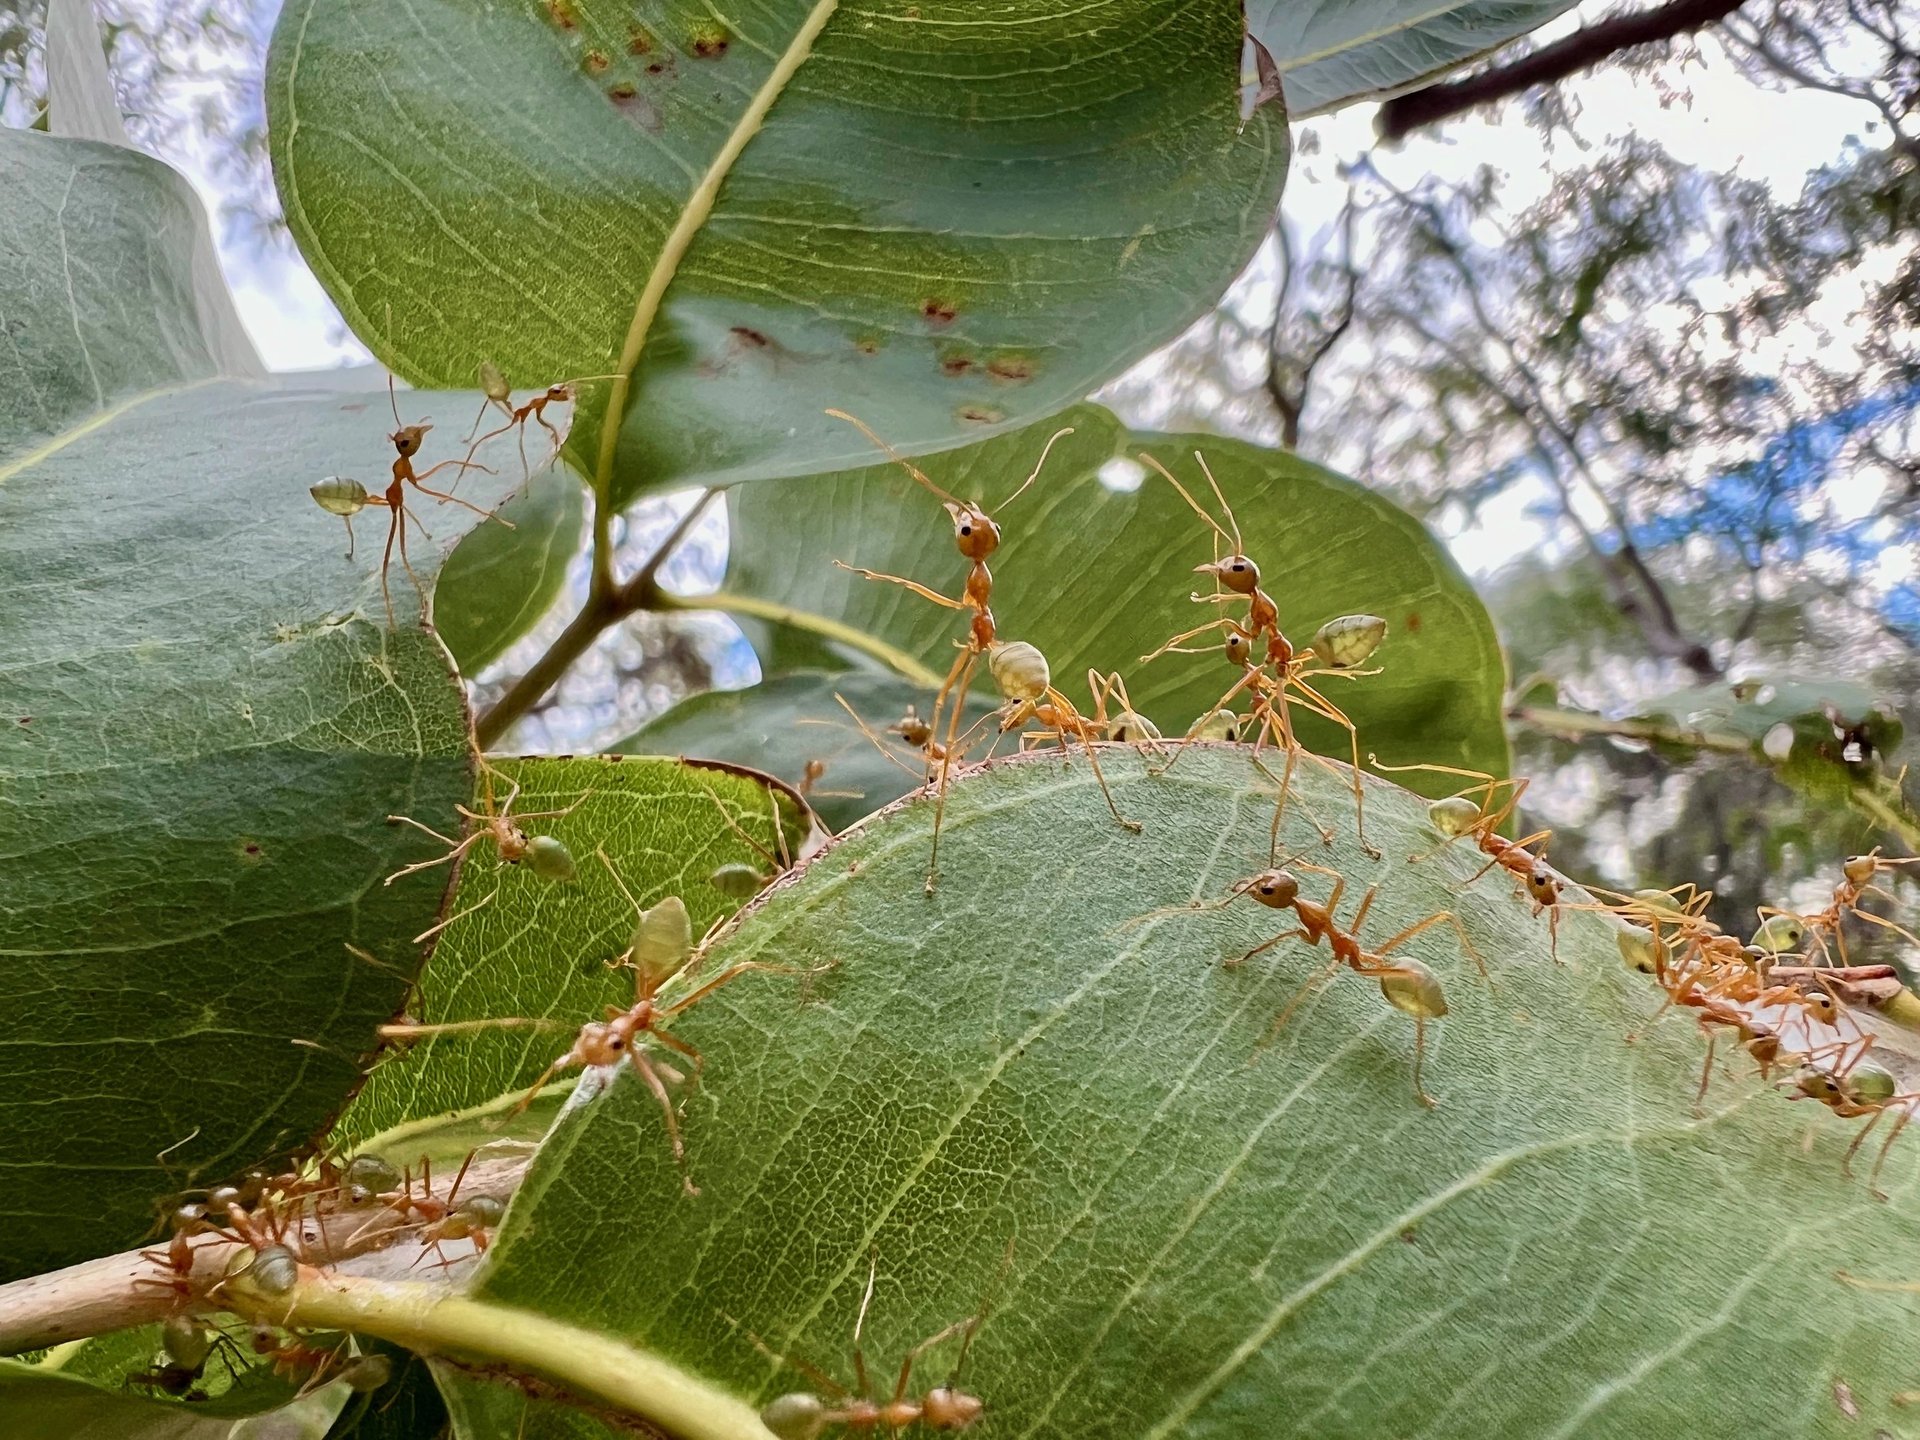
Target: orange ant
{"points": [[1460, 816], [493, 382], [661, 952], [545, 855], [976, 534], [802, 1415], [1406, 984], [1021, 674], [1856, 883], [1863, 1089], [1340, 647]]}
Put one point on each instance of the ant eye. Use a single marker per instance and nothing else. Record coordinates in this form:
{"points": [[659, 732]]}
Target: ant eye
{"points": [[966, 529]]}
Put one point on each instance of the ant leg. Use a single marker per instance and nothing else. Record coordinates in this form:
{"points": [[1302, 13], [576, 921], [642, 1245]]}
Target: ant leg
{"points": [[967, 1326], [658, 1086], [946, 765], [1434, 919], [406, 563], [1265, 945], [1225, 700], [386, 562], [1330, 711], [459, 848], [1225, 621], [1419, 1057], [922, 591], [433, 930], [877, 742], [1893, 1134], [1307, 987], [1086, 743]]}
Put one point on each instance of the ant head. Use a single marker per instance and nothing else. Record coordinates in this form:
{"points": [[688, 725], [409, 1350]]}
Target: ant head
{"points": [[511, 841], [1817, 1084], [1542, 886], [1859, 869], [974, 531], [1236, 572], [1822, 1007], [1276, 889], [1239, 648], [407, 439], [945, 1408], [562, 391], [912, 729]]}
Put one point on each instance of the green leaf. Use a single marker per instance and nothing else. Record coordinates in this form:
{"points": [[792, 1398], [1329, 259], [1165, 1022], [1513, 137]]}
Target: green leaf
{"points": [[1097, 578], [206, 721], [786, 722], [535, 949], [37, 1403], [952, 215], [499, 582], [1215, 1228], [1331, 55]]}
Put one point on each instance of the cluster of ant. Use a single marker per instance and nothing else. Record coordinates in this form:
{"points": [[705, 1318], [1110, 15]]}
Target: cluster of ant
{"points": [[345, 497], [262, 1235], [1728, 985]]}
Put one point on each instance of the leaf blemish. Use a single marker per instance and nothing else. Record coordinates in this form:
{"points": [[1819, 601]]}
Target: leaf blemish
{"points": [[639, 41], [1413, 622], [710, 42], [956, 365], [980, 414], [938, 312], [750, 337], [562, 13], [595, 61], [1015, 369]]}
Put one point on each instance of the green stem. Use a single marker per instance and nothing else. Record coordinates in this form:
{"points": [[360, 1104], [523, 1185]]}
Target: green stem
{"points": [[428, 1321], [865, 642]]}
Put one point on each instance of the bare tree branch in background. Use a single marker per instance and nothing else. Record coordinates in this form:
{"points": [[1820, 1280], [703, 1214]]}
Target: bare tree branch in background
{"points": [[1547, 65], [1300, 337]]}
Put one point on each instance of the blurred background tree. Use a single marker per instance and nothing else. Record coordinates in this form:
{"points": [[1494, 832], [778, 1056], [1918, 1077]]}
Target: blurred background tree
{"points": [[1667, 413]]}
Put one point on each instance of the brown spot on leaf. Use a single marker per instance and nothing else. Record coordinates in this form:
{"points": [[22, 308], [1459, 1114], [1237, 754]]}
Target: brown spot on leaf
{"points": [[656, 67], [250, 852], [980, 414], [1413, 622], [563, 14], [595, 61], [956, 365], [749, 336], [639, 41], [630, 102], [867, 344], [1015, 369], [710, 42], [938, 312]]}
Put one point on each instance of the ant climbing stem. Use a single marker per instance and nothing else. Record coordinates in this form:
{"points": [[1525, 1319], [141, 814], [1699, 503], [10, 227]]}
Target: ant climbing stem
{"points": [[976, 534], [804, 1415], [1269, 664]]}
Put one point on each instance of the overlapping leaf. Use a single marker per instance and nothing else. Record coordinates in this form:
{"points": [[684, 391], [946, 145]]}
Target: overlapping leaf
{"points": [[953, 214], [205, 723], [531, 949], [1216, 1230], [1098, 577], [791, 721]]}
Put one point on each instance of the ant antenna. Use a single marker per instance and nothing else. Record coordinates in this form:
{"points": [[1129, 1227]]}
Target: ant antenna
{"points": [[895, 456], [1225, 508], [1192, 504], [1037, 466], [601, 851]]}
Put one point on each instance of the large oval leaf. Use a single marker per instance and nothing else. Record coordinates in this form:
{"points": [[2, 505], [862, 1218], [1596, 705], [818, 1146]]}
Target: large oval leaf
{"points": [[498, 583], [1216, 1231], [955, 215], [1097, 577], [206, 721]]}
